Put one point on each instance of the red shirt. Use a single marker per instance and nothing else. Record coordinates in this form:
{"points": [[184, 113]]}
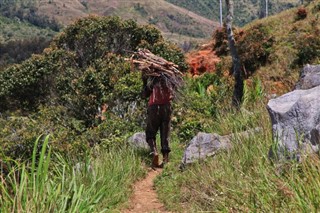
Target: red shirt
{"points": [[160, 95]]}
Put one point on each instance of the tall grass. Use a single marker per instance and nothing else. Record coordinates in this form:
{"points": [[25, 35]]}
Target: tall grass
{"points": [[52, 184], [243, 179]]}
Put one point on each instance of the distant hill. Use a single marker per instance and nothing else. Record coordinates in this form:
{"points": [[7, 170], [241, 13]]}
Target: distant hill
{"points": [[172, 20], [186, 20]]}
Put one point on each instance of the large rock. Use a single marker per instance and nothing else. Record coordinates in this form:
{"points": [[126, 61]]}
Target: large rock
{"points": [[207, 144], [295, 120], [309, 77], [138, 140]]}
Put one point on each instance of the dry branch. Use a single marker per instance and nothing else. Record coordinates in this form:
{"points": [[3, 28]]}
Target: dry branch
{"points": [[152, 65], [155, 68]]}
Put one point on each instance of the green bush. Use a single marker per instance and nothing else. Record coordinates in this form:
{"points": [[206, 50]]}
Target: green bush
{"points": [[308, 44], [69, 136], [254, 47], [198, 105]]}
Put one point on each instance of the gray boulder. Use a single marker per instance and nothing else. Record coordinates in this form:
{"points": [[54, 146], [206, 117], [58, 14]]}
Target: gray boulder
{"points": [[208, 144], [309, 77], [138, 140], [295, 119]]}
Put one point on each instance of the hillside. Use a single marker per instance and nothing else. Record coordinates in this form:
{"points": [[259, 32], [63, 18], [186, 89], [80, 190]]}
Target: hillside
{"points": [[245, 10], [170, 19], [14, 29]]}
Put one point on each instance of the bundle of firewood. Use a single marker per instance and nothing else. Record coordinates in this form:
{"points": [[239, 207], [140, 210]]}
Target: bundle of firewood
{"points": [[152, 65], [155, 69]]}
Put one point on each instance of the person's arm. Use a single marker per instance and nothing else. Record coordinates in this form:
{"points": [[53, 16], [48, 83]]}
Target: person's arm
{"points": [[146, 89]]}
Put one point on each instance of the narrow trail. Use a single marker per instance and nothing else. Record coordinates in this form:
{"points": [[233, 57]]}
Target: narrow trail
{"points": [[144, 198]]}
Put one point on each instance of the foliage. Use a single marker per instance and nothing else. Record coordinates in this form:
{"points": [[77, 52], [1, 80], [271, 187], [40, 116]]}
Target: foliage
{"points": [[29, 84], [220, 41], [27, 11], [14, 29], [254, 47], [81, 68], [198, 104], [301, 13], [308, 44], [316, 8], [17, 51], [70, 136]]}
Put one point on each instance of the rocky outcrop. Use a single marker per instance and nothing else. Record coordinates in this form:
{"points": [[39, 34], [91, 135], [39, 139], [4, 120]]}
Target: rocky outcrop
{"points": [[309, 77], [295, 120], [208, 144], [138, 140]]}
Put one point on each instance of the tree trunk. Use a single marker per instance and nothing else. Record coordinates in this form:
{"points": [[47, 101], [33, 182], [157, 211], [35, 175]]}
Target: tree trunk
{"points": [[267, 11], [236, 65], [220, 13]]}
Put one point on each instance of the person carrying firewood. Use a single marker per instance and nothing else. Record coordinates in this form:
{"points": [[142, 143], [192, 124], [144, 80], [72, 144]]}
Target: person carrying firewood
{"points": [[161, 80], [159, 112]]}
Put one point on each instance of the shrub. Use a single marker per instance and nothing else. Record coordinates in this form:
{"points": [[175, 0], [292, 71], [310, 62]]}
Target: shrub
{"points": [[70, 136], [203, 98], [254, 46], [308, 44], [308, 48], [301, 13], [19, 50], [316, 8], [221, 41]]}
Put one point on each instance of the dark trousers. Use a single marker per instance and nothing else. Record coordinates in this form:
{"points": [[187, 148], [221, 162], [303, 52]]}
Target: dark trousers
{"points": [[159, 117]]}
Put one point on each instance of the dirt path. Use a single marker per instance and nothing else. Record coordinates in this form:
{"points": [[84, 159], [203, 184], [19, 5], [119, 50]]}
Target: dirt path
{"points": [[144, 198]]}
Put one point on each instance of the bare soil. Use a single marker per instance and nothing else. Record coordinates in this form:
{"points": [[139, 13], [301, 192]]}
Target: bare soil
{"points": [[144, 198]]}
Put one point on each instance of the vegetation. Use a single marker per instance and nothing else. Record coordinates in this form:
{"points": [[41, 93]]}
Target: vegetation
{"points": [[244, 179], [20, 39], [272, 50], [53, 183], [14, 29], [27, 11], [245, 11], [17, 51], [86, 165], [172, 21], [59, 93]]}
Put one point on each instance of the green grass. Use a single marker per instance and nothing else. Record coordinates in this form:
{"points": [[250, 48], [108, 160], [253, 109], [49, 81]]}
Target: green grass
{"points": [[51, 183], [242, 179]]}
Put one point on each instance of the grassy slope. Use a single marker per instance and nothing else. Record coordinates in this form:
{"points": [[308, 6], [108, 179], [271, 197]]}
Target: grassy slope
{"points": [[14, 30], [245, 10], [243, 179], [281, 72]]}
